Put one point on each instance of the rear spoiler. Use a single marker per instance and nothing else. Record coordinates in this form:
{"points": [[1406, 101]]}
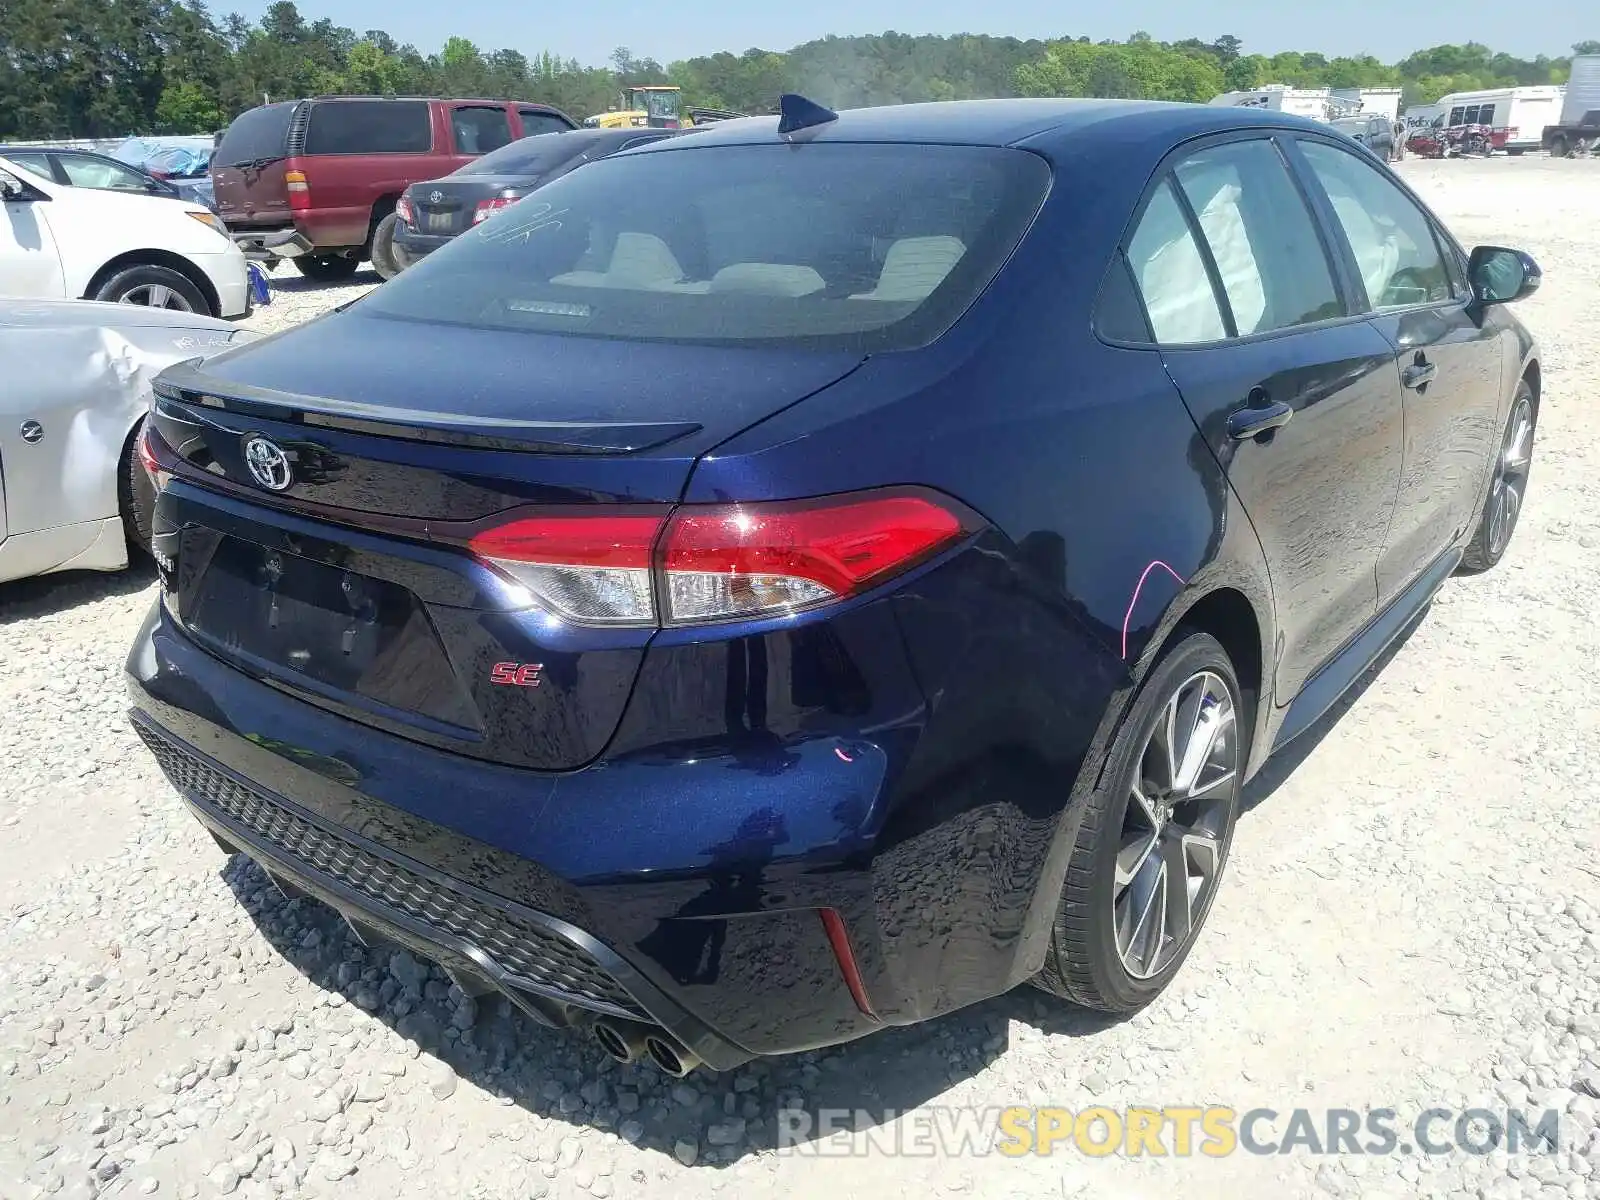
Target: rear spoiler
{"points": [[186, 384]]}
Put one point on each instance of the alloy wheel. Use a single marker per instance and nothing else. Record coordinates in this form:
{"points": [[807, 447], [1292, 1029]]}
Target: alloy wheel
{"points": [[1179, 807], [1510, 476], [156, 295]]}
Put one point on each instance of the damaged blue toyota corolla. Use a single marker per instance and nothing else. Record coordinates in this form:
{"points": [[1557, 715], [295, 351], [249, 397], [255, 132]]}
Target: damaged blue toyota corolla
{"points": [[823, 572]]}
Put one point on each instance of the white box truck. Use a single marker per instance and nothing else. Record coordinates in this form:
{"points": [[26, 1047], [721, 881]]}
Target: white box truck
{"points": [[1578, 130]]}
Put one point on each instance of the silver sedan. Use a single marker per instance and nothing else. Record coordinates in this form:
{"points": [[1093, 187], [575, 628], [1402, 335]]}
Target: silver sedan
{"points": [[74, 387]]}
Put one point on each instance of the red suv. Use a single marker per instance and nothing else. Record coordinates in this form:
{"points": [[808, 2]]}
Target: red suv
{"points": [[317, 180]]}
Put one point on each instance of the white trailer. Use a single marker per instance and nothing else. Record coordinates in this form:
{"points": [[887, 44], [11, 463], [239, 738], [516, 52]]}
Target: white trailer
{"points": [[1578, 128], [1368, 102], [1316, 103]]}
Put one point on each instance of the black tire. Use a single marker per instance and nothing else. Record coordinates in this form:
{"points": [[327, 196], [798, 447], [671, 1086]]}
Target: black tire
{"points": [[1508, 485], [136, 495], [150, 285], [384, 261], [1559, 147], [326, 268], [1085, 962]]}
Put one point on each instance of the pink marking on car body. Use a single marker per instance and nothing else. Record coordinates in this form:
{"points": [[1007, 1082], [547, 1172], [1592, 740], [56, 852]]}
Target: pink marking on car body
{"points": [[1134, 600]]}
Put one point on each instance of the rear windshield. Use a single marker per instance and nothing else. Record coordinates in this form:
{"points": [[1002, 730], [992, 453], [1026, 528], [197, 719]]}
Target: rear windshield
{"points": [[867, 247], [255, 135], [529, 156], [369, 127]]}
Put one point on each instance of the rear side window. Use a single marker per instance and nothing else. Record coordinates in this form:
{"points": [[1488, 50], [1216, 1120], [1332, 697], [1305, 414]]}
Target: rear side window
{"points": [[1261, 237], [1171, 273], [261, 133], [369, 127], [1486, 115], [536, 121], [480, 130], [1391, 238], [855, 246]]}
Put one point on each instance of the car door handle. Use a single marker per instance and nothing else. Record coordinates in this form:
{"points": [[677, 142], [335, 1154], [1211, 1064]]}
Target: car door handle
{"points": [[1420, 373], [1253, 422]]}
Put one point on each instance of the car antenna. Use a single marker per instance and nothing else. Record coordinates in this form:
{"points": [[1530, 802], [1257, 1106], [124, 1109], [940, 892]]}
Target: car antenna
{"points": [[797, 113]]}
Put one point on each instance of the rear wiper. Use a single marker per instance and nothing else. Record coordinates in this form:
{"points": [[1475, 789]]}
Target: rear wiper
{"points": [[255, 164]]}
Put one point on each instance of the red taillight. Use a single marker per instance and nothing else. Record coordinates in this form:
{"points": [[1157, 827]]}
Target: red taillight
{"points": [[718, 563], [402, 209], [146, 446], [749, 560], [299, 190], [593, 570], [487, 208]]}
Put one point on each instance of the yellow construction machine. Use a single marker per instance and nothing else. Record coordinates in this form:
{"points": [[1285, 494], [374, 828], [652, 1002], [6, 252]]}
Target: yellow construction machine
{"points": [[656, 106]]}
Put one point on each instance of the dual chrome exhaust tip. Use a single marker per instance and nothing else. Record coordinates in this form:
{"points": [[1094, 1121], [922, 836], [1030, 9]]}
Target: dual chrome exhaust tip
{"points": [[630, 1041]]}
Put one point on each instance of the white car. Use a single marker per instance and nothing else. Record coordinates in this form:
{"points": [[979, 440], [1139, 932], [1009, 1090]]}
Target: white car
{"points": [[67, 243], [74, 389]]}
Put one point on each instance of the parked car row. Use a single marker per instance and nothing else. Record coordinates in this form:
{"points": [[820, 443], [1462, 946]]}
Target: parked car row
{"points": [[628, 607], [317, 180]]}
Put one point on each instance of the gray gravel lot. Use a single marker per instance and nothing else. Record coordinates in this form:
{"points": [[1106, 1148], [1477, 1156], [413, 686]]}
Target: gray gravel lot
{"points": [[1411, 920]]}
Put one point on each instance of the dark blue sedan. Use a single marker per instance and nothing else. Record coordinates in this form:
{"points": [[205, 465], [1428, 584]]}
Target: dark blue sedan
{"points": [[822, 572]]}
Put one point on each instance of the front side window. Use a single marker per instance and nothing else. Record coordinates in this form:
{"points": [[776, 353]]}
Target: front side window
{"points": [[32, 162], [1261, 237], [369, 127], [1455, 115], [96, 173], [1171, 274], [1391, 237], [536, 121], [831, 245], [480, 130]]}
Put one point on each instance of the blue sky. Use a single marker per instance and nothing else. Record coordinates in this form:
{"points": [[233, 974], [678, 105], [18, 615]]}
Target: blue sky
{"points": [[669, 30]]}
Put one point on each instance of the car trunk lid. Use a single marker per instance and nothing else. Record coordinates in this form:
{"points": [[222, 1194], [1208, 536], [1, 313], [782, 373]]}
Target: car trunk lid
{"points": [[447, 206], [348, 579]]}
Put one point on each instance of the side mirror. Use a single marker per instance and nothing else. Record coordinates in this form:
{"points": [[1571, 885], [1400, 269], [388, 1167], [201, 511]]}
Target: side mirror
{"points": [[11, 187], [1499, 275]]}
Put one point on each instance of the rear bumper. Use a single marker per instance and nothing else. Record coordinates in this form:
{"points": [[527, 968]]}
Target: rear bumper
{"points": [[271, 243], [411, 247], [710, 954], [550, 969], [699, 863]]}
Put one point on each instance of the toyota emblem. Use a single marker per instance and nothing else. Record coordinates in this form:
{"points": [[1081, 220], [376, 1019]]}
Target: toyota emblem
{"points": [[435, 196], [269, 465]]}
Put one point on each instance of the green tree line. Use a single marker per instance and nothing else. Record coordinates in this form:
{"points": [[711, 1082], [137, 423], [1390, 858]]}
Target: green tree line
{"points": [[103, 68]]}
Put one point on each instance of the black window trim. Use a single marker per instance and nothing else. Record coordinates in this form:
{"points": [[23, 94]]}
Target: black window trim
{"points": [[1332, 251], [1443, 241]]}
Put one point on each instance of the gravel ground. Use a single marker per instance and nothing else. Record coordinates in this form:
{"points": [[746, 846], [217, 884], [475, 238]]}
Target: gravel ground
{"points": [[1410, 921]]}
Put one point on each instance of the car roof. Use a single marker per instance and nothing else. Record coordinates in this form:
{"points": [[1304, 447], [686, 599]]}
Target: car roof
{"points": [[996, 123]]}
